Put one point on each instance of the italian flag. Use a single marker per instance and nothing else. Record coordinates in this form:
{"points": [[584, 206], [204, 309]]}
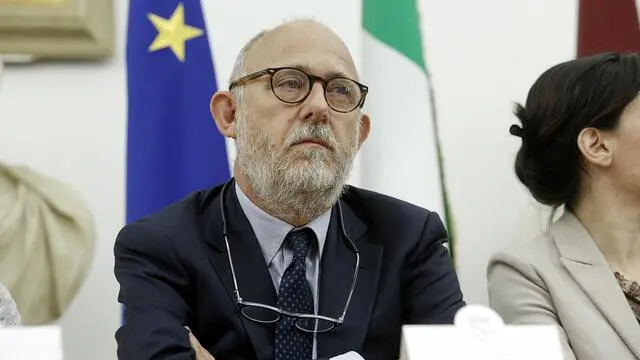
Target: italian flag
{"points": [[402, 156]]}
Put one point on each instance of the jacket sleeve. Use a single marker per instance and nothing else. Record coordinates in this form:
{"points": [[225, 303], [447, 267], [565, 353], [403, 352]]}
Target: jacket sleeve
{"points": [[433, 294], [519, 296], [153, 289]]}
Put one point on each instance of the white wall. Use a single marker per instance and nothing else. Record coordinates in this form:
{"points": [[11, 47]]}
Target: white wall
{"points": [[69, 120], [483, 56]]}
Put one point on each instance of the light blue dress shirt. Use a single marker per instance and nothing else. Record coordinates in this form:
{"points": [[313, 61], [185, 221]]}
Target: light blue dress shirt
{"points": [[271, 232]]}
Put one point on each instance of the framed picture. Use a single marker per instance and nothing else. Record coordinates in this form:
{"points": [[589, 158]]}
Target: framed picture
{"points": [[57, 29]]}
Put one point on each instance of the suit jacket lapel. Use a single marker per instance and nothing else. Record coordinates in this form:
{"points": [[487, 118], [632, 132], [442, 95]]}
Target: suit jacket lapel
{"points": [[254, 281], [586, 264], [336, 275]]}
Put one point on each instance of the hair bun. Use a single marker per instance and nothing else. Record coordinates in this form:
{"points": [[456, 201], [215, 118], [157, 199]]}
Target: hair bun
{"points": [[516, 130]]}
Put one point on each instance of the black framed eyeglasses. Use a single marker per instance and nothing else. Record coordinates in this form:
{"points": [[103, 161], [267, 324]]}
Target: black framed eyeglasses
{"points": [[293, 86], [267, 314]]}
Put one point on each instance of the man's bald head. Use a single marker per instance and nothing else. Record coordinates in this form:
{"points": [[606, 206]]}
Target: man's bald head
{"points": [[263, 49]]}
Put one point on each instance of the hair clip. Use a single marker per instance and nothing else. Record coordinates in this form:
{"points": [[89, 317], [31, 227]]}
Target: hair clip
{"points": [[516, 130]]}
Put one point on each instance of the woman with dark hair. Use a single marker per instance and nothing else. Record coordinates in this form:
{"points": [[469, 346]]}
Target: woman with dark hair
{"points": [[580, 131]]}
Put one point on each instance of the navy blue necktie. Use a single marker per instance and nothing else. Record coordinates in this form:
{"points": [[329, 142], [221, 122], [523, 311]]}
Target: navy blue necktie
{"points": [[295, 296]]}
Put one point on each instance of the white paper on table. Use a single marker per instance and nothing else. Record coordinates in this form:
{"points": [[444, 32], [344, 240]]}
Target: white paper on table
{"points": [[479, 333], [31, 343]]}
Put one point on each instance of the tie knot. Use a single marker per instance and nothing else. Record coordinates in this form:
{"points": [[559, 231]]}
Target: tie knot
{"points": [[299, 241]]}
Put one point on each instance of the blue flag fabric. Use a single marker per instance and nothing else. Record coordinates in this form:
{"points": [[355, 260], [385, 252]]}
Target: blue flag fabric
{"points": [[173, 146]]}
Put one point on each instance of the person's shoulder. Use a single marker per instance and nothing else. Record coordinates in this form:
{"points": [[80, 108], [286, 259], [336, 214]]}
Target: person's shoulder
{"points": [[9, 314], [179, 219], [537, 253], [374, 202], [395, 221]]}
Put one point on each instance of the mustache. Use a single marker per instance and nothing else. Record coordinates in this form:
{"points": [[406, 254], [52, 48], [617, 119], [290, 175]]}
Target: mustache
{"points": [[316, 133]]}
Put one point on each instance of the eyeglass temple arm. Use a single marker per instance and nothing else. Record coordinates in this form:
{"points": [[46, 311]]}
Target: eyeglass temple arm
{"points": [[353, 285], [233, 272], [226, 241], [245, 79], [355, 273]]}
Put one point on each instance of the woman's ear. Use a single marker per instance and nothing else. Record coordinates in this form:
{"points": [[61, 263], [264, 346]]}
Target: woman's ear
{"points": [[223, 110], [595, 147]]}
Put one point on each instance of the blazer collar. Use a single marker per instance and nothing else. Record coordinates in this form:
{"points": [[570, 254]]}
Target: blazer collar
{"points": [[588, 266], [337, 270], [254, 281], [574, 241]]}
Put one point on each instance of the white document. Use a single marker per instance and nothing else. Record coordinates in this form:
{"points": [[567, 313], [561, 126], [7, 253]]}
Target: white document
{"points": [[31, 343], [480, 334]]}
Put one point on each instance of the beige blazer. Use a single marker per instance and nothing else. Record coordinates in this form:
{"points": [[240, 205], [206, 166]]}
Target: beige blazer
{"points": [[562, 278]]}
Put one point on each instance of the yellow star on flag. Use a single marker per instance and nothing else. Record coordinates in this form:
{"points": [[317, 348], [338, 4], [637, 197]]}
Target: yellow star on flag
{"points": [[173, 33]]}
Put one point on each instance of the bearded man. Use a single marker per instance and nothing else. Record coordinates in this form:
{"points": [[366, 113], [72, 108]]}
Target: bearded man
{"points": [[285, 261]]}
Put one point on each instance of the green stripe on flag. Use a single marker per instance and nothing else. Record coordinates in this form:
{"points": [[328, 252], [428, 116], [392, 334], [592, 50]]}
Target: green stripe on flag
{"points": [[397, 24]]}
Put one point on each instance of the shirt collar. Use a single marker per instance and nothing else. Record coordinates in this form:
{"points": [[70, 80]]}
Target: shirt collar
{"points": [[271, 231]]}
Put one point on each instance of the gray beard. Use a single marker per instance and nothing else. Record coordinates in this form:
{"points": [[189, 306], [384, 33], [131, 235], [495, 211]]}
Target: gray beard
{"points": [[294, 183]]}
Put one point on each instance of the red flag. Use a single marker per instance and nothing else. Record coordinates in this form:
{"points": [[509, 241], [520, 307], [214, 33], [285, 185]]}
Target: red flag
{"points": [[608, 25]]}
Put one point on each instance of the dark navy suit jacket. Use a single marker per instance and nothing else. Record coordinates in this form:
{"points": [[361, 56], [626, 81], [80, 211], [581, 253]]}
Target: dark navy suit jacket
{"points": [[173, 271]]}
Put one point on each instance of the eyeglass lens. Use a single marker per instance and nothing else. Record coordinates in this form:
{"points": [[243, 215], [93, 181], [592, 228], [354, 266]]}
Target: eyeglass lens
{"points": [[291, 86], [267, 316]]}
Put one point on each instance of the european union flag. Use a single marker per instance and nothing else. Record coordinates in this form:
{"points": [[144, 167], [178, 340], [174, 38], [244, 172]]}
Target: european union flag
{"points": [[173, 146]]}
